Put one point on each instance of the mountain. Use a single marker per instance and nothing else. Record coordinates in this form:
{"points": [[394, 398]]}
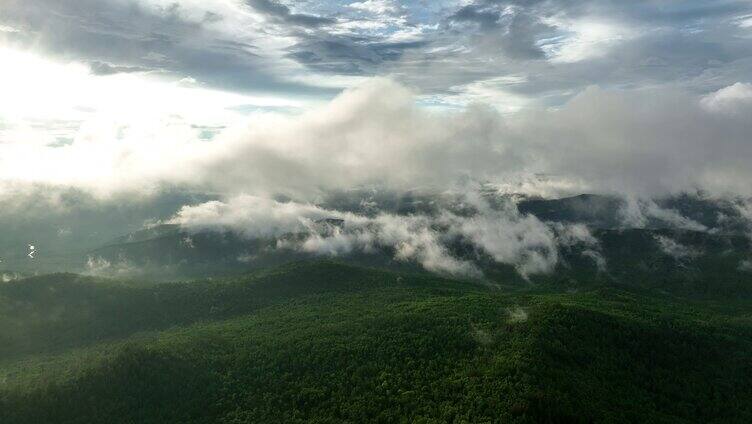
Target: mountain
{"points": [[689, 243], [63, 224], [327, 342], [693, 262], [612, 212], [594, 210], [168, 252]]}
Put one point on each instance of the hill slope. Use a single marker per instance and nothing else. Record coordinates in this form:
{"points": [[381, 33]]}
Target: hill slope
{"points": [[324, 342]]}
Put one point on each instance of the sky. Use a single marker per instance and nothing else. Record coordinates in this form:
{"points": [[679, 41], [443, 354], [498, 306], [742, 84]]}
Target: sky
{"points": [[239, 104], [646, 97]]}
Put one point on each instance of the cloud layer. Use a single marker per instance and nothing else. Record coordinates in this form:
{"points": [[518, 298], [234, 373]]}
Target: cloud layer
{"points": [[542, 52], [500, 233], [640, 142]]}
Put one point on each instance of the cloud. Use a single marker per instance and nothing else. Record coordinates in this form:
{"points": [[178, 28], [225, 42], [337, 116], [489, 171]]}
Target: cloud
{"points": [[478, 15], [641, 213], [675, 249], [410, 238], [280, 12], [293, 47], [587, 39], [729, 99], [597, 258], [251, 216], [371, 135], [501, 233], [515, 30], [510, 238], [103, 68], [379, 7], [347, 54], [572, 235], [642, 143], [563, 46], [100, 267], [215, 42], [639, 99]]}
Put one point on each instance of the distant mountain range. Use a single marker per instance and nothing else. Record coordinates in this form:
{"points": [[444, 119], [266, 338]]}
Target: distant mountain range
{"points": [[691, 259], [686, 240]]}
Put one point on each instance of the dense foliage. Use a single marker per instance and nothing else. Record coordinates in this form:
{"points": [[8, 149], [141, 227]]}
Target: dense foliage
{"points": [[324, 342]]}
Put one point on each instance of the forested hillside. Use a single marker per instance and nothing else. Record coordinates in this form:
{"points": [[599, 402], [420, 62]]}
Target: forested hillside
{"points": [[326, 342]]}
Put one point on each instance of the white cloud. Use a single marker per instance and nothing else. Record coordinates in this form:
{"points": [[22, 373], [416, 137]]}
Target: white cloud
{"points": [[378, 7], [503, 234], [35, 88], [251, 216], [640, 142], [411, 238], [511, 238], [7, 28], [675, 249], [637, 212], [571, 235], [744, 21], [645, 142], [101, 267], [494, 91], [737, 97], [584, 39]]}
